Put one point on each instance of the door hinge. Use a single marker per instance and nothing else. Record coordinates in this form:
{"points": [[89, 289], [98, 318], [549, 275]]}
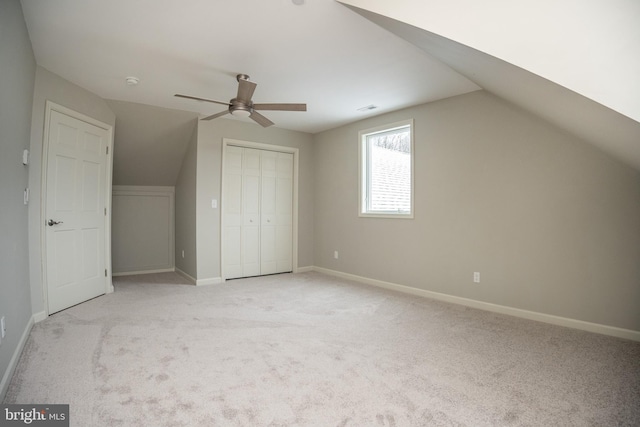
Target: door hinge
{"points": [[105, 272], [105, 211], [107, 149]]}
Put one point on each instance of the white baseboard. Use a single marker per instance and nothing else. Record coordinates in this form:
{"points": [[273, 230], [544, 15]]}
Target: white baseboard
{"points": [[135, 273], [39, 317], [200, 282], [304, 269], [525, 314], [186, 276], [13, 363], [209, 281]]}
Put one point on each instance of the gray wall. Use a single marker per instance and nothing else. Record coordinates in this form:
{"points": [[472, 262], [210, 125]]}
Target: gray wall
{"points": [[54, 88], [17, 68], [210, 135], [150, 143], [186, 210], [142, 233], [550, 222]]}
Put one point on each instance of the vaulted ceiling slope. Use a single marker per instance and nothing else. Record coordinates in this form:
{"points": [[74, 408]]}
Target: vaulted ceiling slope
{"points": [[150, 143], [606, 110]]}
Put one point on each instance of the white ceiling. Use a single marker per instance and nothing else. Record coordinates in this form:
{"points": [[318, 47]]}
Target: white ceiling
{"points": [[609, 130], [588, 46], [321, 53]]}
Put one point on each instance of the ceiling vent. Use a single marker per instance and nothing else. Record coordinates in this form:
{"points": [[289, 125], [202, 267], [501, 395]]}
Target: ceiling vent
{"points": [[368, 108]]}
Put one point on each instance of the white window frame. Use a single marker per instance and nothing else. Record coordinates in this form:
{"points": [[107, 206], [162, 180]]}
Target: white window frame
{"points": [[364, 173]]}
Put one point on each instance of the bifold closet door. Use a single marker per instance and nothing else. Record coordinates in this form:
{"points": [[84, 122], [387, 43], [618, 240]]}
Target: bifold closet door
{"points": [[258, 220], [250, 212], [277, 212], [232, 206]]}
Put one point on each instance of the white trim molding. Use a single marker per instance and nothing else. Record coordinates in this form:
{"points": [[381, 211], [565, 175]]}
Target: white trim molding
{"points": [[296, 165], [51, 106], [209, 281], [13, 363], [135, 273], [186, 276], [39, 317], [516, 312]]}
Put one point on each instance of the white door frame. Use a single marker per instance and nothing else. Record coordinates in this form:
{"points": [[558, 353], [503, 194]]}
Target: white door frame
{"points": [[49, 107], [269, 147]]}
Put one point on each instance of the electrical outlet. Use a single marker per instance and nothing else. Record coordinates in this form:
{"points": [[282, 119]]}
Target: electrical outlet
{"points": [[335, 254], [476, 277]]}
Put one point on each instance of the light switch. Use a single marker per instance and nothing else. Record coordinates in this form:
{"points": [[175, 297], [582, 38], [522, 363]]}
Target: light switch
{"points": [[214, 203]]}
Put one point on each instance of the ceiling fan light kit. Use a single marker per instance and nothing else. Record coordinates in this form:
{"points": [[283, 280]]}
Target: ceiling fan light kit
{"points": [[241, 112], [243, 106]]}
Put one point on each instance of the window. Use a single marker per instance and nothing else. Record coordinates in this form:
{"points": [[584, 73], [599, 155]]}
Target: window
{"points": [[386, 171]]}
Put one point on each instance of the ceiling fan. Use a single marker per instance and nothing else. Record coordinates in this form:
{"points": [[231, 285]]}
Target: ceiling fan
{"points": [[243, 106]]}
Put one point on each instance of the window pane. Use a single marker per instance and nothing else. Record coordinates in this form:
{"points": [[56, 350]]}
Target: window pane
{"points": [[389, 188]]}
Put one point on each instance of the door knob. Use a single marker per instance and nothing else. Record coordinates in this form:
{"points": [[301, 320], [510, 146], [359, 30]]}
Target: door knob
{"points": [[52, 222]]}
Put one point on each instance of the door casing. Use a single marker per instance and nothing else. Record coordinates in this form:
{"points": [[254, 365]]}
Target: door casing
{"points": [[49, 107], [261, 146]]}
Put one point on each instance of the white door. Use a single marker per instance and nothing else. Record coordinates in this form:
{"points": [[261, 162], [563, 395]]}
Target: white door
{"points": [[277, 212], [75, 211], [232, 208], [241, 204], [268, 192], [250, 212], [258, 212]]}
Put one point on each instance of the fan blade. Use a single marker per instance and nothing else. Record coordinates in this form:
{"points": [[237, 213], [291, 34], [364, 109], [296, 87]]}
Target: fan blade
{"points": [[281, 107], [245, 90], [202, 99], [260, 119], [220, 114]]}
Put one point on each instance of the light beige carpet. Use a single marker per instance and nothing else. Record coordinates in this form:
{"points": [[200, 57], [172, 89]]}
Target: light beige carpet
{"points": [[312, 350]]}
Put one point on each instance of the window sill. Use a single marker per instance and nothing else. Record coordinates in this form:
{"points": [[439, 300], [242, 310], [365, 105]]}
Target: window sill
{"points": [[385, 215]]}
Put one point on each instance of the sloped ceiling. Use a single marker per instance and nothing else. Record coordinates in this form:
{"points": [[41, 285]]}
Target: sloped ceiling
{"points": [[603, 106], [150, 143], [612, 132], [587, 46]]}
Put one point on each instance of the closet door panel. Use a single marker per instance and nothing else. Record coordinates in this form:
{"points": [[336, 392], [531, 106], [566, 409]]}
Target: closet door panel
{"points": [[251, 212], [232, 196], [268, 212], [284, 212]]}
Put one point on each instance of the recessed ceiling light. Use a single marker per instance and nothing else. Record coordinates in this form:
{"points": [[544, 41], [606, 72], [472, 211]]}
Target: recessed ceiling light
{"points": [[297, 2], [132, 81]]}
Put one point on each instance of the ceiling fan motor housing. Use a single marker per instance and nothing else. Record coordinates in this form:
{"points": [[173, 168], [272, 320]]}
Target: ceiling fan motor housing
{"points": [[241, 109]]}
